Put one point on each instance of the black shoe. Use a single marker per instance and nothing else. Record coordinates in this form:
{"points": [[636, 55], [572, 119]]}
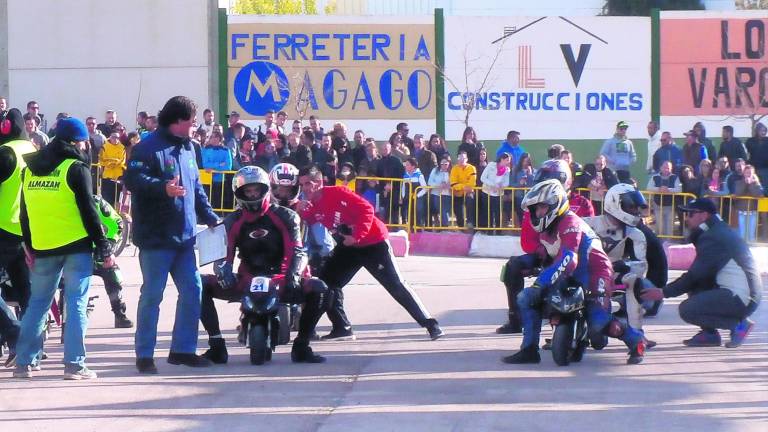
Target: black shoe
{"points": [[649, 343], [340, 334], [510, 328], [146, 366], [435, 332], [217, 352], [191, 360], [122, 321], [302, 353], [528, 355], [547, 344]]}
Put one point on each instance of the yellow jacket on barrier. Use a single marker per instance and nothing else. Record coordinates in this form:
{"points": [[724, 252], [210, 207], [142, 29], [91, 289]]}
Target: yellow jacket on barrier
{"points": [[462, 177]]}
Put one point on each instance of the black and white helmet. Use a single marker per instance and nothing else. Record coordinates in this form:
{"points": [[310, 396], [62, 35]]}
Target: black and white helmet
{"points": [[552, 193], [624, 202], [251, 175], [285, 174]]}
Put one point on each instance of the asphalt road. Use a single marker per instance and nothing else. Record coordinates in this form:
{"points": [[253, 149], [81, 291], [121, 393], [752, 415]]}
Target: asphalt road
{"points": [[393, 378]]}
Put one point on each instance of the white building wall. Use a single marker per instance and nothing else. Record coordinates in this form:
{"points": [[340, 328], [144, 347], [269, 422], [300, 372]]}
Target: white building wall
{"points": [[86, 56]]}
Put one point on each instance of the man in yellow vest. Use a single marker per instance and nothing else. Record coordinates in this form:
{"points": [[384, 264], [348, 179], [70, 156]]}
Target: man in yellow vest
{"points": [[57, 181], [12, 147]]}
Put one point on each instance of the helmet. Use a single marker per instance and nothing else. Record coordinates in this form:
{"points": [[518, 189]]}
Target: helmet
{"points": [[555, 169], [251, 175], [284, 174], [551, 193], [624, 202]]}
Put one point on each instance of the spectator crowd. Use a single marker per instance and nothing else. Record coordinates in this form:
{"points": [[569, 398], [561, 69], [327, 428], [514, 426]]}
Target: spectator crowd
{"points": [[429, 187]]}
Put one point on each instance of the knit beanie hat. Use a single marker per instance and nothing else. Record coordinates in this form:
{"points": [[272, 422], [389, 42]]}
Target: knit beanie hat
{"points": [[71, 129]]}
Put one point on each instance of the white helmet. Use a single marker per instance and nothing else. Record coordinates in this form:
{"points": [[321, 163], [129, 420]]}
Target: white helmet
{"points": [[285, 174], [551, 193], [624, 202]]}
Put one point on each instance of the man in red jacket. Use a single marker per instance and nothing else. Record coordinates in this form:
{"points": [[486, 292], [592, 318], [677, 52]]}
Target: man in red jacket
{"points": [[518, 267], [361, 241]]}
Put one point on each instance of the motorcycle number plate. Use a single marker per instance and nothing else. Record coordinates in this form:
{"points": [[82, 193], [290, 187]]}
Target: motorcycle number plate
{"points": [[260, 284]]}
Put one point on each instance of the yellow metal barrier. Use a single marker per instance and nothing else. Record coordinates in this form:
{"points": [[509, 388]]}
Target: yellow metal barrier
{"points": [[476, 210], [748, 215], [398, 204], [392, 199]]}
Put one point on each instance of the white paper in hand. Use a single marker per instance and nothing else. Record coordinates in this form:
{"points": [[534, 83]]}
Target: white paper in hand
{"points": [[212, 244]]}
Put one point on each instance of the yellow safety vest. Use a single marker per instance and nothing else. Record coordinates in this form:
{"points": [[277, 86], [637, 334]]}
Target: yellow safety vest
{"points": [[10, 189], [54, 218]]}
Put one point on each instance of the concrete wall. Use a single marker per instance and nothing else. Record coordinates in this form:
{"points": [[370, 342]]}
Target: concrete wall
{"points": [[86, 56]]}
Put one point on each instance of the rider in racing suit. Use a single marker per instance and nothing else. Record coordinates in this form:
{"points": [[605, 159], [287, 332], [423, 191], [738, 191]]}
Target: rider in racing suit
{"points": [[577, 257], [626, 245], [267, 239], [518, 267], [112, 224]]}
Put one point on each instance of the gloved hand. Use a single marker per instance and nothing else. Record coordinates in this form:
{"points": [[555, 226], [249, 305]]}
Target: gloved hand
{"points": [[102, 252], [293, 292], [621, 267], [226, 278]]}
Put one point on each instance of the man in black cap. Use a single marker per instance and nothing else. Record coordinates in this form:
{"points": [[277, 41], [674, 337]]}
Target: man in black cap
{"points": [[723, 284]]}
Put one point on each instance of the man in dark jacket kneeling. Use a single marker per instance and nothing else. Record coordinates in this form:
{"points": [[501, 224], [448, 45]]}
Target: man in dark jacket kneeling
{"points": [[723, 283]]}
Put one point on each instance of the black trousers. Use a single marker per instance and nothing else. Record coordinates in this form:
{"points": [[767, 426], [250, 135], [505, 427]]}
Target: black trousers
{"points": [[112, 285], [12, 259], [379, 260], [315, 304]]}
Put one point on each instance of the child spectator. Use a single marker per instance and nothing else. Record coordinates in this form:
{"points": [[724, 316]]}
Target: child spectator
{"points": [[413, 186], [495, 178], [440, 192]]}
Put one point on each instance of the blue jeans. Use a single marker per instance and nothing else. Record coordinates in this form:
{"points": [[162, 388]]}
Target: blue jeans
{"points": [[156, 264], [748, 225], [76, 270], [441, 205]]}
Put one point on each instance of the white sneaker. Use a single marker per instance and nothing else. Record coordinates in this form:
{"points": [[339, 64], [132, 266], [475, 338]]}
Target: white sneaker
{"points": [[80, 374], [22, 371]]}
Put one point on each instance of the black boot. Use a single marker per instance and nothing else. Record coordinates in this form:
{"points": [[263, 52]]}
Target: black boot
{"points": [[217, 352], [526, 355], [188, 359], [434, 330], [513, 326], [302, 353], [122, 321], [146, 365]]}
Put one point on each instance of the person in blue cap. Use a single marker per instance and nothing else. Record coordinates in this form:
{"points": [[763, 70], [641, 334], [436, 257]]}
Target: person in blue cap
{"points": [[57, 180]]}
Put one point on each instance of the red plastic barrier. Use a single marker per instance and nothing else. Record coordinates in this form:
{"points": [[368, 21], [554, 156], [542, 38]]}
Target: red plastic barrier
{"points": [[440, 243]]}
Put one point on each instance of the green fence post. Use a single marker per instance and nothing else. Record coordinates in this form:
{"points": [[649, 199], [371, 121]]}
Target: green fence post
{"points": [[440, 62], [223, 69]]}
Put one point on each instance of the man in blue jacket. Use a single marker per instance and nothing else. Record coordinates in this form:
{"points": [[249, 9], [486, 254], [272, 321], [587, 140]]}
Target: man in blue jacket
{"points": [[168, 200], [511, 146], [668, 151]]}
